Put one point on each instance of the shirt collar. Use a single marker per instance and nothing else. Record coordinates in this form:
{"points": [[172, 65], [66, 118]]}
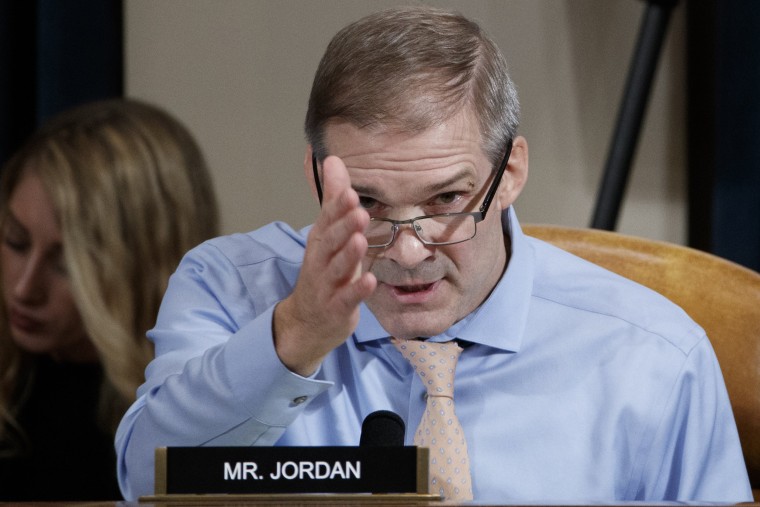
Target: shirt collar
{"points": [[500, 321]]}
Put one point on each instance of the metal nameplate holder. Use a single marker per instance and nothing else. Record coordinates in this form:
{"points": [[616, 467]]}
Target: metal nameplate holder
{"points": [[282, 473]]}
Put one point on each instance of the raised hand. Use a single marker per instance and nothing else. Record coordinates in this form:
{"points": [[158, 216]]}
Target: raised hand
{"points": [[323, 309]]}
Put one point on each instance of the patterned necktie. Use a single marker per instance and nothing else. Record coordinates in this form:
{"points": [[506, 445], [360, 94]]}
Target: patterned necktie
{"points": [[439, 428]]}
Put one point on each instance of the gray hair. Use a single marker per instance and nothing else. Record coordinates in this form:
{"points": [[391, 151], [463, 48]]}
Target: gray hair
{"points": [[409, 68]]}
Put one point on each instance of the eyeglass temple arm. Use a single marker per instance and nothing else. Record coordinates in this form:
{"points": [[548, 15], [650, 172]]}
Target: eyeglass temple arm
{"points": [[497, 179], [316, 177]]}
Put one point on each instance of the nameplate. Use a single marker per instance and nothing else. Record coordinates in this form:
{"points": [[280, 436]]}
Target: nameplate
{"points": [[267, 470]]}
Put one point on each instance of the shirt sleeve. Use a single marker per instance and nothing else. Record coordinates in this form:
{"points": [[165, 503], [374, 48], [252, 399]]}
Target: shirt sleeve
{"points": [[696, 453], [216, 378]]}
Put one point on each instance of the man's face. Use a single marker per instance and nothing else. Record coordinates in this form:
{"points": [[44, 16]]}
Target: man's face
{"points": [[422, 290]]}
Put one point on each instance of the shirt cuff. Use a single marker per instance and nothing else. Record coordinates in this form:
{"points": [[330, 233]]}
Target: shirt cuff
{"points": [[259, 380]]}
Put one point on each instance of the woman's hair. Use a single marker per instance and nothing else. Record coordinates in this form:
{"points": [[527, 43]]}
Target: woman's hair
{"points": [[132, 194], [408, 69]]}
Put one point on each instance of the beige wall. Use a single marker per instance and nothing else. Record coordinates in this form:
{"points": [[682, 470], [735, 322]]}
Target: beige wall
{"points": [[238, 73]]}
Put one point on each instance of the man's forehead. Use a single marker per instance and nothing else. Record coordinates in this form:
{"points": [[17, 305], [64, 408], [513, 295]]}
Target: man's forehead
{"points": [[343, 138], [462, 179]]}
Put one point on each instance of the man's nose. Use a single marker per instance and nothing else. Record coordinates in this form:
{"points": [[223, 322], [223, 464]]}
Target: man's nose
{"points": [[407, 250]]}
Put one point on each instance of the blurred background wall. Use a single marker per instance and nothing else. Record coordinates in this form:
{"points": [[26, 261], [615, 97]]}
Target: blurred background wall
{"points": [[239, 73]]}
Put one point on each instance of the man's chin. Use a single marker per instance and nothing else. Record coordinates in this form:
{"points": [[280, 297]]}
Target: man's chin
{"points": [[410, 325]]}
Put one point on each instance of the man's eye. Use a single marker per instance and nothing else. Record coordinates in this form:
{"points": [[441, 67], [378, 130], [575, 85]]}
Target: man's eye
{"points": [[367, 203], [448, 198]]}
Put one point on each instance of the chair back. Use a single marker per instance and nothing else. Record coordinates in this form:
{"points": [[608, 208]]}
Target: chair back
{"points": [[721, 296]]}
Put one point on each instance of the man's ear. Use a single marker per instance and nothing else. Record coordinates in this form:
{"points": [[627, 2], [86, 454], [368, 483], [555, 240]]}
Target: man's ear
{"points": [[515, 175], [308, 170]]}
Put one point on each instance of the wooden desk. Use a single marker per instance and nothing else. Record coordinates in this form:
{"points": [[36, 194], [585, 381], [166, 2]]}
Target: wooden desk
{"points": [[337, 501]]}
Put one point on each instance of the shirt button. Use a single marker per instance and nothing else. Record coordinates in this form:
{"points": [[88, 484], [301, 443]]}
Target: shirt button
{"points": [[299, 400]]}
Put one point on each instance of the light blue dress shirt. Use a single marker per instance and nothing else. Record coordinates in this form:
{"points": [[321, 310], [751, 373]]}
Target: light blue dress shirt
{"points": [[579, 385]]}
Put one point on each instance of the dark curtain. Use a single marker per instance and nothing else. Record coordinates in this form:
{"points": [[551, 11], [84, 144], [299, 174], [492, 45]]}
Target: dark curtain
{"points": [[55, 54], [724, 128]]}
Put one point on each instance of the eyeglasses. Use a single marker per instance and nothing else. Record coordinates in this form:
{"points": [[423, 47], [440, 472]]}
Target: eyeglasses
{"points": [[435, 230]]}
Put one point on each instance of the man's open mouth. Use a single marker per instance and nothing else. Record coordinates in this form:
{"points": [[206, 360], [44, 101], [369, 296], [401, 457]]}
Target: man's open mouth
{"points": [[413, 288]]}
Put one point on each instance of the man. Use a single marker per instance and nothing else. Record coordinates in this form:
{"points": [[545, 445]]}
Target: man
{"points": [[573, 384]]}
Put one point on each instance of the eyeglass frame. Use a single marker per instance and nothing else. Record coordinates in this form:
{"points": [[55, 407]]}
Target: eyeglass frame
{"points": [[479, 215]]}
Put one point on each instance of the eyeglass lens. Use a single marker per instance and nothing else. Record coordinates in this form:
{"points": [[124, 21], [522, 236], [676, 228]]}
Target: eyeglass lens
{"points": [[441, 229]]}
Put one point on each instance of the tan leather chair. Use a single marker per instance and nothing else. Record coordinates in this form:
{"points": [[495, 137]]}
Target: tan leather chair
{"points": [[723, 297]]}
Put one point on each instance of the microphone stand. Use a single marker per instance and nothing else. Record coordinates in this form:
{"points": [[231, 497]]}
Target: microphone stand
{"points": [[631, 113]]}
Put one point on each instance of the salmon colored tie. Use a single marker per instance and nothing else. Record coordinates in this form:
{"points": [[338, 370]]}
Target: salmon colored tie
{"points": [[439, 428]]}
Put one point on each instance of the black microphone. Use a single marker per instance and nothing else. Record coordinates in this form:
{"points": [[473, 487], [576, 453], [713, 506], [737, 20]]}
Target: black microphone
{"points": [[382, 428]]}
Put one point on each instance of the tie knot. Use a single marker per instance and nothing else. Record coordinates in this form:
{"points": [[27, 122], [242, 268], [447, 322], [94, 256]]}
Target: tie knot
{"points": [[435, 363]]}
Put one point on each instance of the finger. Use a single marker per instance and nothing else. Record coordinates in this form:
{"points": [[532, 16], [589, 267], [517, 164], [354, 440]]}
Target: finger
{"points": [[359, 290], [337, 233], [345, 265], [333, 229], [352, 285], [338, 196], [335, 178]]}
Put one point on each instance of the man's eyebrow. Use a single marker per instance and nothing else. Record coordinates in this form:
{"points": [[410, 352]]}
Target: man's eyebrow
{"points": [[430, 189]]}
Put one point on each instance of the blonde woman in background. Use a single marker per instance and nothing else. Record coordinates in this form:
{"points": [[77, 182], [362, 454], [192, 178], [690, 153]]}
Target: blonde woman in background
{"points": [[96, 211]]}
